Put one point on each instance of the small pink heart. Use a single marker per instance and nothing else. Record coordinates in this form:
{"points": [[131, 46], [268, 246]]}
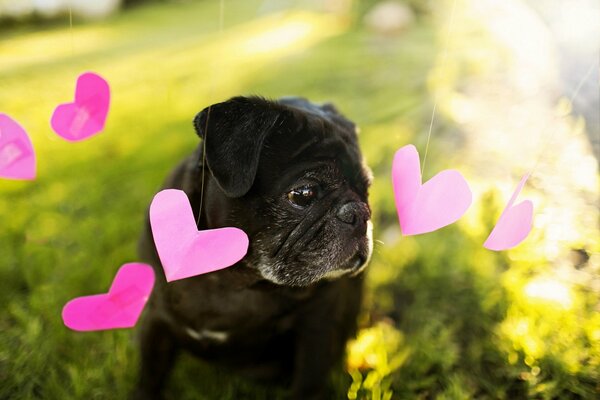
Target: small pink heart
{"points": [[441, 201], [17, 158], [119, 308], [86, 116], [183, 250], [514, 223]]}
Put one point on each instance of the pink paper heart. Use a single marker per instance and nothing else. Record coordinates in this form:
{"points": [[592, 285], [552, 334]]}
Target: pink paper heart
{"points": [[183, 250], [514, 223], [17, 158], [441, 201], [86, 116], [119, 308]]}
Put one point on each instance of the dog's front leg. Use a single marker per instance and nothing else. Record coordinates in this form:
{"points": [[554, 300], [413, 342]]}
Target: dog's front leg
{"points": [[319, 346], [158, 353], [315, 355], [325, 325]]}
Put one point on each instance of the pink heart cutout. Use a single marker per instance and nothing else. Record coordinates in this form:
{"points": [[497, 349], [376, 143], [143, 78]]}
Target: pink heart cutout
{"points": [[86, 116], [119, 308], [17, 158], [427, 207], [514, 223], [183, 250]]}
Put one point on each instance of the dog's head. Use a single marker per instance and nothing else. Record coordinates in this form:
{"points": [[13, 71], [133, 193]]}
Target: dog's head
{"points": [[291, 175]]}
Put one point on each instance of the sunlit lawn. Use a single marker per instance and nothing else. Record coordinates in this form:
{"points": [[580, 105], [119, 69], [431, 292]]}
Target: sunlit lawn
{"points": [[447, 318]]}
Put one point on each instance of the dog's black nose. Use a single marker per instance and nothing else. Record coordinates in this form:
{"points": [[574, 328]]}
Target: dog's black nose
{"points": [[354, 213]]}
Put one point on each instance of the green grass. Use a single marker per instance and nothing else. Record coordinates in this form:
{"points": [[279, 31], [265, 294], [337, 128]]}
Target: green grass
{"points": [[441, 311]]}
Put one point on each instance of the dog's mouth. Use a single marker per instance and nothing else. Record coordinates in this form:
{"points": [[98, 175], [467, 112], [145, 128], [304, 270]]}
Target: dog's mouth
{"points": [[356, 262], [359, 258], [353, 266], [306, 261]]}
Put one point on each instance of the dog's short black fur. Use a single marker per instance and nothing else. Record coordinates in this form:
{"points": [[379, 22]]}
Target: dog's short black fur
{"points": [[291, 175]]}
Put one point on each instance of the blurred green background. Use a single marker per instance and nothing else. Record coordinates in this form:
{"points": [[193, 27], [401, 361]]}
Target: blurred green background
{"points": [[444, 318]]}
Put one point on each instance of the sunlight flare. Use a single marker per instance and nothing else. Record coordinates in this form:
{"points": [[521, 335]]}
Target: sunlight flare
{"points": [[549, 290]]}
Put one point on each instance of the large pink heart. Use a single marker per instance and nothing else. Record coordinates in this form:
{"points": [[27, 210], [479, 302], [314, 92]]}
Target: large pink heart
{"points": [[183, 250], [441, 201], [514, 223], [119, 308], [86, 116], [17, 158]]}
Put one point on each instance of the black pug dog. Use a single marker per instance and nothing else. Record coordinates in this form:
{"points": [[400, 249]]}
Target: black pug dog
{"points": [[290, 174]]}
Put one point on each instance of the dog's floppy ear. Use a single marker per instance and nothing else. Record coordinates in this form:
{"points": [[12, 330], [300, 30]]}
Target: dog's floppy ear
{"points": [[234, 132]]}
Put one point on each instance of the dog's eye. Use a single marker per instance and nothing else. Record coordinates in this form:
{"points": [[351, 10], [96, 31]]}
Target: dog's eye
{"points": [[303, 196]]}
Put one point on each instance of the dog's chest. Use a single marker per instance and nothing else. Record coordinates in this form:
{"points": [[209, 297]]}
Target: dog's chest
{"points": [[213, 314]]}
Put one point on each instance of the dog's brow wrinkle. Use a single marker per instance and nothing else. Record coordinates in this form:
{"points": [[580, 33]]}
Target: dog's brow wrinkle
{"points": [[302, 148]]}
